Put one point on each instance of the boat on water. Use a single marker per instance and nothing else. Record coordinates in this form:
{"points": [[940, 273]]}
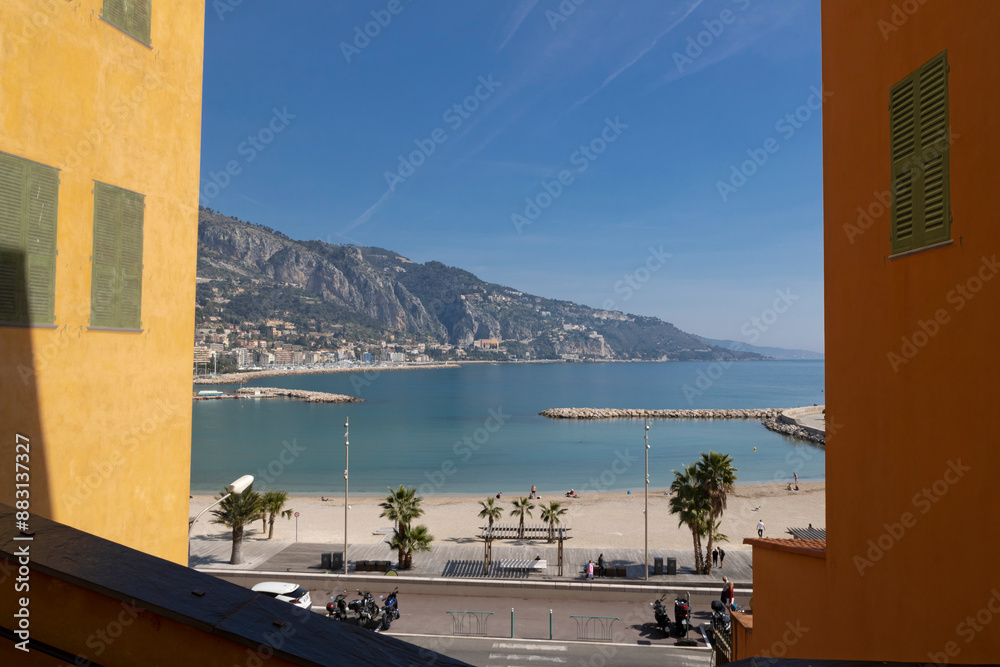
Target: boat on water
{"points": [[212, 393]]}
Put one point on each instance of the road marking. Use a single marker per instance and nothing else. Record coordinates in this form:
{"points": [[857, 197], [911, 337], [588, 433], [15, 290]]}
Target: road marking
{"points": [[530, 647], [529, 658]]}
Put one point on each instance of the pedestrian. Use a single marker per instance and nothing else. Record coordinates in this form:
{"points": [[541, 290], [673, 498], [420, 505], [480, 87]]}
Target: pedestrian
{"points": [[760, 528], [796, 476], [722, 557], [715, 557], [533, 492], [590, 569], [499, 493], [728, 593], [600, 566]]}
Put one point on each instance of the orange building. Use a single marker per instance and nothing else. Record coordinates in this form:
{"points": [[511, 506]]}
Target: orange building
{"points": [[100, 138], [912, 250]]}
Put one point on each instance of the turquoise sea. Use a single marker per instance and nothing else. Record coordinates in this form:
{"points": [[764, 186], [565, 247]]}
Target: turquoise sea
{"points": [[476, 430]]}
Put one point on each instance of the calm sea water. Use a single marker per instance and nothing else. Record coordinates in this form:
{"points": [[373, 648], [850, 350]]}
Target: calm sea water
{"points": [[476, 429]]}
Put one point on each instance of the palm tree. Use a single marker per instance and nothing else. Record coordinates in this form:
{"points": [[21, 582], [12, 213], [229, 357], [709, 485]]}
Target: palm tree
{"points": [[401, 506], [522, 506], [716, 476], [236, 512], [490, 510], [272, 506], [689, 503], [414, 539], [550, 515]]}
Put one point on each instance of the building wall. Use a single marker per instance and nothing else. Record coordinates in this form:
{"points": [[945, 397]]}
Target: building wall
{"points": [[910, 345], [108, 414]]}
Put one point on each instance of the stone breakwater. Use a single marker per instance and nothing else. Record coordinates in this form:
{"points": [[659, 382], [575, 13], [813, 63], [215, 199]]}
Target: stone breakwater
{"points": [[236, 378], [775, 424], [616, 413], [300, 394]]}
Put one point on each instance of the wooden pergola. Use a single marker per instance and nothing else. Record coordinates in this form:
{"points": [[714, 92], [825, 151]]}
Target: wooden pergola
{"points": [[513, 531]]}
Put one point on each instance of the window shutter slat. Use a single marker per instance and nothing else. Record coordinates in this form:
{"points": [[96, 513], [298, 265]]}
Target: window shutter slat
{"points": [[40, 244], [102, 297], [114, 12], [12, 184], [140, 18], [131, 260]]}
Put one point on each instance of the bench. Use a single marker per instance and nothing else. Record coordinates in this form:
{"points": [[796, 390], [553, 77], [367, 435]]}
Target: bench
{"points": [[372, 565], [610, 571], [522, 565]]}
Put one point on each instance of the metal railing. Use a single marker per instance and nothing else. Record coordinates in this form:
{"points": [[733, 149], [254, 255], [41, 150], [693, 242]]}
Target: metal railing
{"points": [[598, 628], [471, 623]]}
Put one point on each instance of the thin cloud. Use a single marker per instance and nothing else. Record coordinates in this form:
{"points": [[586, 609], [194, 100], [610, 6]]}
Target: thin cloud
{"points": [[364, 217], [520, 13], [642, 53]]}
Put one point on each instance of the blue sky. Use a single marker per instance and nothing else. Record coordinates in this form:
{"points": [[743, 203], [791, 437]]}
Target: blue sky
{"points": [[657, 157]]}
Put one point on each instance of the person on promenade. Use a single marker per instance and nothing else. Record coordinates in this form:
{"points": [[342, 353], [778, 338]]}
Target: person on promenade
{"points": [[728, 593], [722, 557], [601, 570], [590, 569], [715, 557], [760, 528]]}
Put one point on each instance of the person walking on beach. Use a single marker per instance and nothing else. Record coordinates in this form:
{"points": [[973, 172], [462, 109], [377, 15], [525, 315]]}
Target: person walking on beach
{"points": [[722, 557], [715, 557], [760, 528], [533, 492], [600, 566], [590, 569]]}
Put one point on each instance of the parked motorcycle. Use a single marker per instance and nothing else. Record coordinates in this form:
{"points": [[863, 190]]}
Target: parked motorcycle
{"points": [[365, 608], [682, 615], [662, 619], [390, 610], [338, 608], [721, 620]]}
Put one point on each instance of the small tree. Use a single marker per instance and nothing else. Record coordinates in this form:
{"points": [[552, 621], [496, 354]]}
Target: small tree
{"points": [[401, 506], [236, 512], [490, 511], [689, 502], [273, 506], [716, 476], [550, 515], [416, 538], [522, 506]]}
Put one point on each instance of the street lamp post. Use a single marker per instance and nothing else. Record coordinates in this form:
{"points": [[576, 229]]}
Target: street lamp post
{"points": [[239, 486], [645, 512], [347, 451]]}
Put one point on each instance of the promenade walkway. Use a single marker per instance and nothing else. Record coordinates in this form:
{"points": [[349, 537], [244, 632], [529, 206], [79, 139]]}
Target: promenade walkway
{"points": [[464, 559]]}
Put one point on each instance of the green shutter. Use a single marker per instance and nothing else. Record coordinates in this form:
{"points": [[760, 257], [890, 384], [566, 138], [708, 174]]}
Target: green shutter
{"points": [[28, 211], [919, 145], [131, 260], [116, 287], [132, 16]]}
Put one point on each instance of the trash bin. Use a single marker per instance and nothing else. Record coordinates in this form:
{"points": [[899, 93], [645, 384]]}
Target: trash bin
{"points": [[337, 561], [671, 566], [657, 566], [324, 561]]}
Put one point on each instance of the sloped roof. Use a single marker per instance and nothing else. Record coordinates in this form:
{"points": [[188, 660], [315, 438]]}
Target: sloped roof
{"points": [[814, 548]]}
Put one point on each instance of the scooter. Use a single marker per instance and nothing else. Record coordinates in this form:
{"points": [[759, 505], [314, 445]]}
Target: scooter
{"points": [[682, 615], [390, 610], [338, 608], [365, 608], [662, 619], [721, 620]]}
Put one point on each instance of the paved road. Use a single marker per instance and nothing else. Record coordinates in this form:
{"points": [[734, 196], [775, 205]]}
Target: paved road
{"points": [[490, 652]]}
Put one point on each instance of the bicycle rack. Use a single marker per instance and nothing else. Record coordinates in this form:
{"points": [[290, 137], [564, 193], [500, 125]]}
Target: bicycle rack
{"points": [[471, 623]]}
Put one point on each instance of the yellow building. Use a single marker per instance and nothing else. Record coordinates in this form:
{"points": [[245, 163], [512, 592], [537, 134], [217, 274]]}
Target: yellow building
{"points": [[100, 134], [907, 572]]}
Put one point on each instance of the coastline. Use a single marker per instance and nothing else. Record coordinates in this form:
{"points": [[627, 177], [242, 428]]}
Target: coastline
{"points": [[239, 378], [603, 520]]}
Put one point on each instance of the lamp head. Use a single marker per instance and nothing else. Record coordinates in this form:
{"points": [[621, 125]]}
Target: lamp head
{"points": [[240, 485]]}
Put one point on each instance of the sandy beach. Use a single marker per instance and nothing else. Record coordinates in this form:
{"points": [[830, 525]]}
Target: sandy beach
{"points": [[597, 520]]}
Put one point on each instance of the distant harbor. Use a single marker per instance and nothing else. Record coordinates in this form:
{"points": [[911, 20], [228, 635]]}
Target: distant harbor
{"points": [[616, 413], [274, 392], [237, 378]]}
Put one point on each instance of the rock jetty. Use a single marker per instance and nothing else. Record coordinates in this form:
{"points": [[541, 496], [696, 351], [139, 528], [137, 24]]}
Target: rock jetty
{"points": [[300, 394], [778, 426], [616, 413]]}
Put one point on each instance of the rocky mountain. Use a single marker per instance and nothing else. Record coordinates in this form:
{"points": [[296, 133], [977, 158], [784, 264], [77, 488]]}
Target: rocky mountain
{"points": [[770, 352], [252, 273]]}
